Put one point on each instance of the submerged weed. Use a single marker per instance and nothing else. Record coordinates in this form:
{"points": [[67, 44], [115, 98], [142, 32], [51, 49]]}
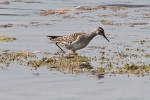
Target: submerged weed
{"points": [[7, 39]]}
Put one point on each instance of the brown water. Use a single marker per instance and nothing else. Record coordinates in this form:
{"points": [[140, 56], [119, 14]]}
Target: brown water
{"points": [[126, 25]]}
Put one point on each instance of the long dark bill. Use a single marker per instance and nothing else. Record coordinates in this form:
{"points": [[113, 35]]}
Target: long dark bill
{"points": [[106, 38]]}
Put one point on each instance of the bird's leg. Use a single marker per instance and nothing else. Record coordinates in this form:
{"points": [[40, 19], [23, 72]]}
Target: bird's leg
{"points": [[59, 47]]}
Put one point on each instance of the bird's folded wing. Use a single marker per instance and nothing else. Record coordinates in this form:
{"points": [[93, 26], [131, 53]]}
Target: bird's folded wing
{"points": [[72, 37], [67, 38]]}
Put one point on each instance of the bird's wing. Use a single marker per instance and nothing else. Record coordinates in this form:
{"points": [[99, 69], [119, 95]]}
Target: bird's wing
{"points": [[67, 38], [72, 37]]}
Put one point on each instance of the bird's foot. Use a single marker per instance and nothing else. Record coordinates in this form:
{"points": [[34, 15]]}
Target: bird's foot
{"points": [[73, 53], [63, 52]]}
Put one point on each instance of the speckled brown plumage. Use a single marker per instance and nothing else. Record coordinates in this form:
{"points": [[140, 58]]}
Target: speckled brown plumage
{"points": [[67, 38]]}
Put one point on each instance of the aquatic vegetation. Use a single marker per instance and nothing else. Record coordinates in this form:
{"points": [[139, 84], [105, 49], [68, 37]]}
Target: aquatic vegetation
{"points": [[4, 2], [7, 39], [40, 63], [19, 57], [47, 12], [18, 0], [6, 25], [79, 64]]}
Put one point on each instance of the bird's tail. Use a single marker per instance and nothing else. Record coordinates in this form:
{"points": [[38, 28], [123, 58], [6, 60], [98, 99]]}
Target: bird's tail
{"points": [[52, 37]]}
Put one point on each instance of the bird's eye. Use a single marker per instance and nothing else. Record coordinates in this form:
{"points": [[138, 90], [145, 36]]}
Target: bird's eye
{"points": [[102, 31]]}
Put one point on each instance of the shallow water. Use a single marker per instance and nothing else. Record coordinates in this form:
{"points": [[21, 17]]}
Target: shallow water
{"points": [[125, 28]]}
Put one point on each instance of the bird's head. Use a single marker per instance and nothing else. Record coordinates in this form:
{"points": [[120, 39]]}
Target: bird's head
{"points": [[100, 31]]}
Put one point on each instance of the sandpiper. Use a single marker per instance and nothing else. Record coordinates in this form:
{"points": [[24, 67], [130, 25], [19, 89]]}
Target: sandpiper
{"points": [[77, 41]]}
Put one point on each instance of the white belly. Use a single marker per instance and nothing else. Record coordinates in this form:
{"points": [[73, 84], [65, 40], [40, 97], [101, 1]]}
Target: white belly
{"points": [[76, 45]]}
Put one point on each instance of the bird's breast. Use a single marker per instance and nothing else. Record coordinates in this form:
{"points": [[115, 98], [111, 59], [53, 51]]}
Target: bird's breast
{"points": [[80, 44]]}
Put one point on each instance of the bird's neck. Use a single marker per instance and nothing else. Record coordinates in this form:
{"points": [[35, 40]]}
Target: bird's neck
{"points": [[91, 34]]}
